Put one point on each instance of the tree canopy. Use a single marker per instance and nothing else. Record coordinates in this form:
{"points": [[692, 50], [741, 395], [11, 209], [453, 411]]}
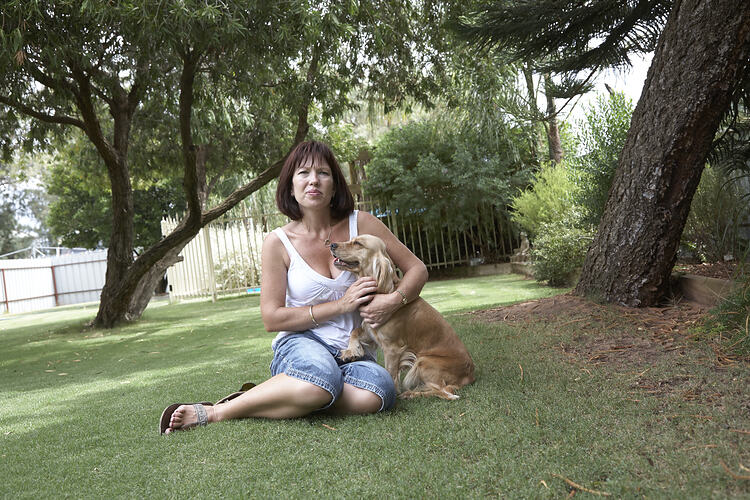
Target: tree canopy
{"points": [[206, 89]]}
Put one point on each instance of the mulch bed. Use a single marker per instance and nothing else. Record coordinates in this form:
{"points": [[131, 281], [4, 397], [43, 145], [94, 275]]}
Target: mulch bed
{"points": [[721, 270], [620, 337]]}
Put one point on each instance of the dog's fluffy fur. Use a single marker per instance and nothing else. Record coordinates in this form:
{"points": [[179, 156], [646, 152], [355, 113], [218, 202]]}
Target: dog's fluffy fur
{"points": [[416, 337]]}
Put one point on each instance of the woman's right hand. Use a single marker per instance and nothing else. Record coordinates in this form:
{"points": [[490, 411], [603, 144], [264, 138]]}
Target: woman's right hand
{"points": [[360, 292]]}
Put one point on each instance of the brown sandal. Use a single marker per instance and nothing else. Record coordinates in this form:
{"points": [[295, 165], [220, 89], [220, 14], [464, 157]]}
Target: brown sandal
{"points": [[245, 387]]}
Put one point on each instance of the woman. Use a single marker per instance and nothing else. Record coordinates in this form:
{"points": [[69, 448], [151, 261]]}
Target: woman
{"points": [[313, 305]]}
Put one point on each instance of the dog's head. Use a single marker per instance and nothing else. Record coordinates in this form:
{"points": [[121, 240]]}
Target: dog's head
{"points": [[365, 255]]}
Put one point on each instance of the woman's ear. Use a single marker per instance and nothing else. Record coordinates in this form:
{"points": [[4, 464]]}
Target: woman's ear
{"points": [[383, 272]]}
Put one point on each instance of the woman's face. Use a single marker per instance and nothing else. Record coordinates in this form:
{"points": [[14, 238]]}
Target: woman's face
{"points": [[312, 184]]}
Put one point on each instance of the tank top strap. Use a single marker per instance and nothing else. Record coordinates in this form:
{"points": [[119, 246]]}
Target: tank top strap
{"points": [[287, 244], [353, 224]]}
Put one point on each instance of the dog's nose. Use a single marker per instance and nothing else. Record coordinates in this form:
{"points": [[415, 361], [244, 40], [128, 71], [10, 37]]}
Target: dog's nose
{"points": [[333, 246]]}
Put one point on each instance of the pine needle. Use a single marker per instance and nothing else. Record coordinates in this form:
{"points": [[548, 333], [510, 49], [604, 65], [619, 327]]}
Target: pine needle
{"points": [[733, 474], [581, 488]]}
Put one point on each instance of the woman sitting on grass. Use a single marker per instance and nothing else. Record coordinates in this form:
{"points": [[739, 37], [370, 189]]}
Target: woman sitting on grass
{"points": [[313, 305]]}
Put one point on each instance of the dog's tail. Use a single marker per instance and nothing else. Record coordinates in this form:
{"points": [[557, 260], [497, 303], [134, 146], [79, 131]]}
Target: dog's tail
{"points": [[411, 379]]}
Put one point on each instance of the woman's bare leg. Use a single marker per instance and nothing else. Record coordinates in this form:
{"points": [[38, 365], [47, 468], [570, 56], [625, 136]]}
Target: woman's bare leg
{"points": [[356, 401], [280, 396]]}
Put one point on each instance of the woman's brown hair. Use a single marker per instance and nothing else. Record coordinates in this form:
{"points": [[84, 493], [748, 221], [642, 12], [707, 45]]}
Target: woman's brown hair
{"points": [[342, 203]]}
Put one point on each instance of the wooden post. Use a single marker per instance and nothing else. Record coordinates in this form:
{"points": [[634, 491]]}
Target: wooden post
{"points": [[54, 285], [209, 262]]}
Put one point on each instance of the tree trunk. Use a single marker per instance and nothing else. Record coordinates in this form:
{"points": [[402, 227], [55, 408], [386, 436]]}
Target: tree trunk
{"points": [[553, 131], [533, 107], [146, 286], [698, 62], [120, 249]]}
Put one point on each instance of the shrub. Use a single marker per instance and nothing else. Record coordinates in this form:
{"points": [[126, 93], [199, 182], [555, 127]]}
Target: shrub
{"points": [[601, 138], [549, 198], [440, 174], [730, 320], [712, 227], [235, 271], [560, 248]]}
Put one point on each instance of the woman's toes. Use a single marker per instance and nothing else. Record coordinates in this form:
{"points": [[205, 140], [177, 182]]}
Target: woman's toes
{"points": [[177, 418]]}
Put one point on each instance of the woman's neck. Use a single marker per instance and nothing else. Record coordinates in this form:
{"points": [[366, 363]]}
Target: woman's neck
{"points": [[317, 223]]}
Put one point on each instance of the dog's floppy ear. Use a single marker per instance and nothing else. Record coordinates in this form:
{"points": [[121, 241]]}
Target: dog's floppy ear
{"points": [[383, 272]]}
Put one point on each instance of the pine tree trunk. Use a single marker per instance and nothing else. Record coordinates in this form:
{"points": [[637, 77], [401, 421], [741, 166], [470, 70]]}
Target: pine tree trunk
{"points": [[699, 59]]}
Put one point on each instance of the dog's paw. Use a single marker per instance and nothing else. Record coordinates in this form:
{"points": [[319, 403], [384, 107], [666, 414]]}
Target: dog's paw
{"points": [[352, 353]]}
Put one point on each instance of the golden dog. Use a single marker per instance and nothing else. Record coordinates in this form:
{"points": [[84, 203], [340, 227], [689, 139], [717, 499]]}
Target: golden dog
{"points": [[416, 337]]}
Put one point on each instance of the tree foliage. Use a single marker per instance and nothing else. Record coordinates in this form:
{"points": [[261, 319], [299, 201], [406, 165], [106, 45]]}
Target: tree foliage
{"points": [[600, 137], [569, 36], [442, 174], [230, 83], [551, 195]]}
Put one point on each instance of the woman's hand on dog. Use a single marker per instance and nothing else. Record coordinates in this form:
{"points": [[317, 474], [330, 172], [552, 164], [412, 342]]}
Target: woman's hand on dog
{"points": [[360, 292], [379, 310]]}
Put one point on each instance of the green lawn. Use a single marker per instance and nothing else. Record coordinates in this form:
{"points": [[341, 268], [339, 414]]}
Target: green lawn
{"points": [[79, 413]]}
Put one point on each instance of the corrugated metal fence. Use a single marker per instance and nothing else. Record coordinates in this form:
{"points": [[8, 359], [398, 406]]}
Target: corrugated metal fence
{"points": [[225, 256], [32, 284]]}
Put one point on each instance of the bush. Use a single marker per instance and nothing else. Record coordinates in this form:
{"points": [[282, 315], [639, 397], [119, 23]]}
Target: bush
{"points": [[601, 138], [730, 320], [712, 227], [549, 199], [234, 272], [560, 248], [442, 175]]}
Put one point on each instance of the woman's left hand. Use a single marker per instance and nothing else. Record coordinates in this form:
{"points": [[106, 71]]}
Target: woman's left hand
{"points": [[379, 310]]}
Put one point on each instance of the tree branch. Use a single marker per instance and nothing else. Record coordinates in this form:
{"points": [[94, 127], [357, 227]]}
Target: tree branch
{"points": [[45, 117], [40, 76], [273, 171], [92, 126], [190, 180]]}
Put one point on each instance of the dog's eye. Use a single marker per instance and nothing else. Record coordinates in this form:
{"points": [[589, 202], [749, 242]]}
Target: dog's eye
{"points": [[357, 243]]}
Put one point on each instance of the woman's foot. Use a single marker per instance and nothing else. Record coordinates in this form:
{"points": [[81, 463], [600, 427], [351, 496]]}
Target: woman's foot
{"points": [[189, 416]]}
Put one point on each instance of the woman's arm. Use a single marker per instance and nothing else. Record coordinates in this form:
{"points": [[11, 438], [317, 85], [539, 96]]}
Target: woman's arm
{"points": [[382, 306], [276, 316]]}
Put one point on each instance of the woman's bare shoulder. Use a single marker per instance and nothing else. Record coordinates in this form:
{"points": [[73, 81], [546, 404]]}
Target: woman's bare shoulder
{"points": [[369, 224]]}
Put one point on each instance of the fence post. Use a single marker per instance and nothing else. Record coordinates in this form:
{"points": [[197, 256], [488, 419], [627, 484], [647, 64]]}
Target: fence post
{"points": [[54, 285], [210, 262], [5, 292]]}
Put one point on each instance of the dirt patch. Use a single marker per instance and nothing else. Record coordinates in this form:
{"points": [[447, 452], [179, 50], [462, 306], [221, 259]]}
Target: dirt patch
{"points": [[621, 337], [721, 270]]}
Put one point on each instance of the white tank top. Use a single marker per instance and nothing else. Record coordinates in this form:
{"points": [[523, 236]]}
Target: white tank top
{"points": [[307, 287]]}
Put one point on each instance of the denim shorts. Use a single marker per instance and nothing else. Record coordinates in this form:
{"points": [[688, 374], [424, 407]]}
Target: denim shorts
{"points": [[305, 356]]}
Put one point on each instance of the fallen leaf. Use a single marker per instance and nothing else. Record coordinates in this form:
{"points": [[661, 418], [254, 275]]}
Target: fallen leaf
{"points": [[329, 427]]}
